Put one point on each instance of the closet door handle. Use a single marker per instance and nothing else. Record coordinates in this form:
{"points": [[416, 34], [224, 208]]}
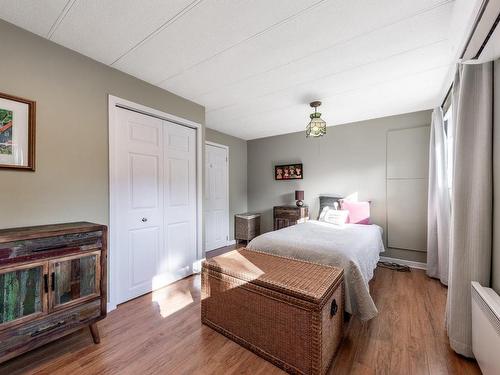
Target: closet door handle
{"points": [[53, 281], [144, 219]]}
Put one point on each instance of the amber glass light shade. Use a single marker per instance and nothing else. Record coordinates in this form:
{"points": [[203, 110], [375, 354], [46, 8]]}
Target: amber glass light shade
{"points": [[316, 127]]}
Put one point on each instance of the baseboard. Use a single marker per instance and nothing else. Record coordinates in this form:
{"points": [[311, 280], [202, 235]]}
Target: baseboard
{"points": [[409, 263], [110, 307], [197, 266], [228, 243]]}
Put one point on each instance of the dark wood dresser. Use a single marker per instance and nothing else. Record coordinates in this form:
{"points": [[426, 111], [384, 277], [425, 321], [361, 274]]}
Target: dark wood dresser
{"points": [[285, 216], [52, 283]]}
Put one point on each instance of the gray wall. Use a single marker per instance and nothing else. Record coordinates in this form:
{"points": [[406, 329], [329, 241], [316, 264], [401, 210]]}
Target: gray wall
{"points": [[495, 274], [237, 173], [350, 159], [71, 178]]}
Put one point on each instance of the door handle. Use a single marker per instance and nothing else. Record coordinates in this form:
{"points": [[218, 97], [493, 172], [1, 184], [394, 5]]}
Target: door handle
{"points": [[334, 308], [46, 283], [48, 328], [144, 219]]}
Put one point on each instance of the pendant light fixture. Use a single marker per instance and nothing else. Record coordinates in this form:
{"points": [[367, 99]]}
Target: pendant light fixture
{"points": [[316, 127]]}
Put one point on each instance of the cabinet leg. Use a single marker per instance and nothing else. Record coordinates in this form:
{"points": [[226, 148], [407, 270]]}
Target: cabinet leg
{"points": [[94, 331]]}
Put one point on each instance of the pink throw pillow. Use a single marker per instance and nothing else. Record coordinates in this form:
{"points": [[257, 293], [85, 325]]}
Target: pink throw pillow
{"points": [[359, 212]]}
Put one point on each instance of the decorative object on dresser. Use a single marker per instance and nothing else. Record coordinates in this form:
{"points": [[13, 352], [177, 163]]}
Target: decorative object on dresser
{"points": [[289, 172], [246, 226], [52, 282], [299, 197], [285, 216], [17, 133], [288, 311]]}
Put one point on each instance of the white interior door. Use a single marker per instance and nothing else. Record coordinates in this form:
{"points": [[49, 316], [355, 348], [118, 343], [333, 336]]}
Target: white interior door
{"points": [[156, 196], [216, 197]]}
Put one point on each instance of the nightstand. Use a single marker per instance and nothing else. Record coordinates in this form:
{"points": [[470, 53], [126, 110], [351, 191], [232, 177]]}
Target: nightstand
{"points": [[246, 226], [285, 216]]}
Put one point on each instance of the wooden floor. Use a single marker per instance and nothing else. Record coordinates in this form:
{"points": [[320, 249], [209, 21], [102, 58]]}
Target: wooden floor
{"points": [[161, 333]]}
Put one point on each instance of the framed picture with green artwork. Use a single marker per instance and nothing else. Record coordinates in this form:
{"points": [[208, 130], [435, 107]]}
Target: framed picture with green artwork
{"points": [[17, 133]]}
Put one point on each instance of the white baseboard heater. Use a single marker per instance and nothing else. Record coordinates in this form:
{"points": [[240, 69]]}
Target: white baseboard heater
{"points": [[486, 328]]}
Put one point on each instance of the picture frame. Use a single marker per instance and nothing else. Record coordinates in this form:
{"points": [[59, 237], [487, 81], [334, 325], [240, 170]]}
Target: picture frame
{"points": [[17, 133], [286, 172]]}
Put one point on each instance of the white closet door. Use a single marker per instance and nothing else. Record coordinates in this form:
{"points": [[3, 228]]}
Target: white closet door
{"points": [[140, 202], [180, 199], [216, 197], [156, 210]]}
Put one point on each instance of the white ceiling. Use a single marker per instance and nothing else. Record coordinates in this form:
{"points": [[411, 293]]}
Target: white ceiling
{"points": [[256, 64]]}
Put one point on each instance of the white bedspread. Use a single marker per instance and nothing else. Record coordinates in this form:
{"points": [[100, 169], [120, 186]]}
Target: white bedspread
{"points": [[353, 247]]}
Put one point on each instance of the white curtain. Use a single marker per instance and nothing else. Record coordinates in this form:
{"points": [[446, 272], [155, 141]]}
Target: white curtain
{"points": [[438, 207], [471, 203]]}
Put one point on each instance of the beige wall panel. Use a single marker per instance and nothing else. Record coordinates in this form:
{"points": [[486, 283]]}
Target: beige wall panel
{"points": [[407, 153], [407, 214]]}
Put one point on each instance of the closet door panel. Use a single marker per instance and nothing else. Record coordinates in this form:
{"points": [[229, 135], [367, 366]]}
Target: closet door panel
{"points": [[140, 203], [180, 198], [178, 181], [178, 245]]}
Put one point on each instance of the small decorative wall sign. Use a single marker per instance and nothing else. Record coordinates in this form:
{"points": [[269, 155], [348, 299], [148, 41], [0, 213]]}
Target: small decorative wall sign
{"points": [[288, 172], [17, 133]]}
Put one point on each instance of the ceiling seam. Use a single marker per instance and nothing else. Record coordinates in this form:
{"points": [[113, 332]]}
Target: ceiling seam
{"points": [[286, 20], [60, 18], [267, 29], [336, 73], [339, 43], [245, 135], [375, 84], [162, 27], [419, 107]]}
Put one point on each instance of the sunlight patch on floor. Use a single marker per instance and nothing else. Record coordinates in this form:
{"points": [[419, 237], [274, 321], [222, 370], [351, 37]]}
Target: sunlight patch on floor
{"points": [[170, 301]]}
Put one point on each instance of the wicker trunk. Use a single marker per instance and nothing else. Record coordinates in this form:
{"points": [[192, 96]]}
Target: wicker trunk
{"points": [[288, 311], [246, 226]]}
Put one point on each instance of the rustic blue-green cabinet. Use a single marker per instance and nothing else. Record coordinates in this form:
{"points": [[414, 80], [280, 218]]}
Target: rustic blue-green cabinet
{"points": [[52, 282]]}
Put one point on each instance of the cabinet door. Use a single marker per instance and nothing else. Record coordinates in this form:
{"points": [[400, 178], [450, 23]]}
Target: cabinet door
{"points": [[74, 279], [280, 223], [23, 293]]}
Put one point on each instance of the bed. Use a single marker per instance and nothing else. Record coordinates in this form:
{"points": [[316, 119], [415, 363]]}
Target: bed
{"points": [[354, 247]]}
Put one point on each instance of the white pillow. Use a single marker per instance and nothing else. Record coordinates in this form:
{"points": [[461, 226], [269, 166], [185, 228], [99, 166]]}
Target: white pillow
{"points": [[326, 209], [337, 217], [323, 213]]}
